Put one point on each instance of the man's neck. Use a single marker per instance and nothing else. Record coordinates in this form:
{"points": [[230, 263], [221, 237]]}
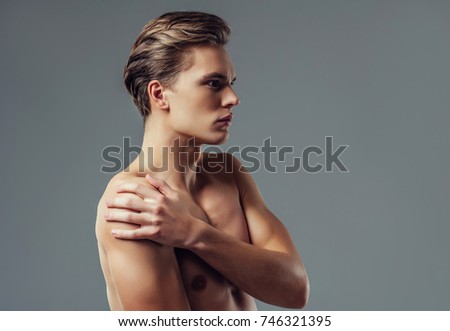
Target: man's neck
{"points": [[167, 156]]}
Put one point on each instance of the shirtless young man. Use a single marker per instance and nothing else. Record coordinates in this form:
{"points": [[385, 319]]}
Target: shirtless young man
{"points": [[198, 235]]}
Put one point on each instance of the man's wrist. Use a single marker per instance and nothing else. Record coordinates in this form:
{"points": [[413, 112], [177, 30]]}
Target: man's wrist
{"points": [[198, 230]]}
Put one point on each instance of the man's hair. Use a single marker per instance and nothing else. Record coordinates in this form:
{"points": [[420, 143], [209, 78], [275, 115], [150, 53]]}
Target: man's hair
{"points": [[161, 51]]}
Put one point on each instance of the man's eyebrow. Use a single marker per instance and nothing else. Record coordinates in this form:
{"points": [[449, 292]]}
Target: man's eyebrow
{"points": [[216, 75]]}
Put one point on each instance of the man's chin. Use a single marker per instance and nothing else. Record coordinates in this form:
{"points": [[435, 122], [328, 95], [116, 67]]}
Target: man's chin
{"points": [[212, 139], [218, 141]]}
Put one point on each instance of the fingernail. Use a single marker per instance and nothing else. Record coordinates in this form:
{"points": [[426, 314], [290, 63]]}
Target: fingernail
{"points": [[114, 232], [106, 214]]}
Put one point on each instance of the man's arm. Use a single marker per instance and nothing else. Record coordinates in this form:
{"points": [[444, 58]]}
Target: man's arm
{"points": [[270, 269], [144, 274]]}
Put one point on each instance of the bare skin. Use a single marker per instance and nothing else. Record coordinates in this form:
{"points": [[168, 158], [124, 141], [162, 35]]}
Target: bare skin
{"points": [[195, 284], [194, 240]]}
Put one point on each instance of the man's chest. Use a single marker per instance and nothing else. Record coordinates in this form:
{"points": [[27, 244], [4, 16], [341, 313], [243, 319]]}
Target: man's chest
{"points": [[206, 288], [221, 204]]}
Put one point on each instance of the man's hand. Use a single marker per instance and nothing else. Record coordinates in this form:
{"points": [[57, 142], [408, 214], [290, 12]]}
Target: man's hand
{"points": [[163, 214]]}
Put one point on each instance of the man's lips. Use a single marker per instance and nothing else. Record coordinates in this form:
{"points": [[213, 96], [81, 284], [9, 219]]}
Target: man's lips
{"points": [[226, 118]]}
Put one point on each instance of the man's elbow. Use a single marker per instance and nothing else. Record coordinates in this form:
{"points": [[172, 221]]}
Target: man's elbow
{"points": [[300, 296]]}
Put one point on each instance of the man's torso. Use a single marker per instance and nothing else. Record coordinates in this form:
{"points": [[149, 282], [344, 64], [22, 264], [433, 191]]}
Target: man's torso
{"points": [[217, 196]]}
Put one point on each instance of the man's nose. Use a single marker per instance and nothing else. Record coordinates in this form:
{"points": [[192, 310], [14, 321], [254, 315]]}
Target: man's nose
{"points": [[230, 99]]}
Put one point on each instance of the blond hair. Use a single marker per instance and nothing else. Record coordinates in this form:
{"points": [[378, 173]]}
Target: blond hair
{"points": [[161, 51]]}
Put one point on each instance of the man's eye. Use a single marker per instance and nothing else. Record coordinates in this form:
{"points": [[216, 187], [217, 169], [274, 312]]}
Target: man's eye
{"points": [[214, 83]]}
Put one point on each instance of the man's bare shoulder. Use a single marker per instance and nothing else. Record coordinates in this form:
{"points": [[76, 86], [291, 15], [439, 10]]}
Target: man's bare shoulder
{"points": [[102, 227], [141, 274], [221, 164], [226, 168], [120, 178]]}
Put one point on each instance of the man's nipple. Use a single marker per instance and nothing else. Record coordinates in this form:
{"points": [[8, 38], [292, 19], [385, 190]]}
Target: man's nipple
{"points": [[199, 283]]}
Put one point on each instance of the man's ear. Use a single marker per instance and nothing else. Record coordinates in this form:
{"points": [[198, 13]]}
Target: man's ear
{"points": [[155, 93]]}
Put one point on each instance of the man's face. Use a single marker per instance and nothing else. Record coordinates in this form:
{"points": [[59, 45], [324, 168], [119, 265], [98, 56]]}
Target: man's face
{"points": [[202, 96]]}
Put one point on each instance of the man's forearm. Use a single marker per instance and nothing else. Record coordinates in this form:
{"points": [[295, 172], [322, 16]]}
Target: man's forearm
{"points": [[273, 277]]}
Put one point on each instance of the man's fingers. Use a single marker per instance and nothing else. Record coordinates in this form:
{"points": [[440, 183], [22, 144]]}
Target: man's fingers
{"points": [[140, 233], [127, 217], [137, 188], [159, 184], [127, 203]]}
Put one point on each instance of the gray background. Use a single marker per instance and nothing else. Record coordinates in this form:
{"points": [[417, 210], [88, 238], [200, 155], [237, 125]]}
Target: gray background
{"points": [[372, 74]]}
